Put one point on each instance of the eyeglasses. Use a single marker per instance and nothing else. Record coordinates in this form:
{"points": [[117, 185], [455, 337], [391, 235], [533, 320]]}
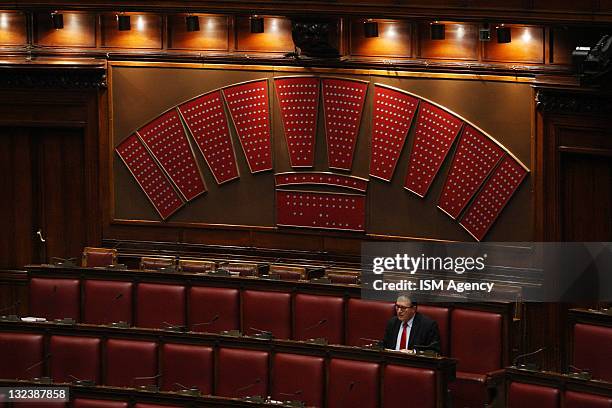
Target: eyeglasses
{"points": [[400, 307]]}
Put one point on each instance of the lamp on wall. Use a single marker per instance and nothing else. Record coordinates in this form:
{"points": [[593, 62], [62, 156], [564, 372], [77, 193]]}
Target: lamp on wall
{"points": [[437, 31], [504, 35], [192, 23], [57, 19], [257, 25], [370, 29], [123, 22]]}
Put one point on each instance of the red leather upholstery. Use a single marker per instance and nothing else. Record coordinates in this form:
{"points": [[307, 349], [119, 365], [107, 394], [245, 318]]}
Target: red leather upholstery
{"points": [[18, 352], [286, 385], [592, 350], [127, 359], [319, 316], [188, 365], [74, 357], [107, 302], [442, 316], [93, 257], [582, 400], [91, 403], [206, 303], [352, 384], [158, 305], [266, 311], [409, 386], [522, 395], [367, 320], [54, 298], [469, 390], [241, 373]]}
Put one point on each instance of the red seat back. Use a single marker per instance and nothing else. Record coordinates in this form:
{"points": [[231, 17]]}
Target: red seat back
{"points": [[91, 403], [352, 384], [592, 350], [107, 302], [403, 384], [319, 316], [242, 373], [442, 316], [188, 365], [128, 359], [583, 400], [286, 385], [54, 298], [74, 358], [18, 352], [367, 319], [522, 395], [264, 310], [159, 305], [214, 309], [476, 340]]}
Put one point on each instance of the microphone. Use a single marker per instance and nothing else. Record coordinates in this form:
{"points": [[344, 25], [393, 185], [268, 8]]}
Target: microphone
{"points": [[211, 321], [262, 334], [11, 317], [314, 326], [66, 262], [581, 373], [148, 387], [174, 327], [527, 366], [193, 391], [427, 348], [374, 343], [119, 324], [13, 306], [43, 379], [293, 394], [77, 381], [248, 386]]}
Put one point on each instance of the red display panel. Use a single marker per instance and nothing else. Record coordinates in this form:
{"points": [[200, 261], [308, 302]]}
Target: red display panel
{"points": [[149, 176], [166, 139], [393, 114], [343, 104], [320, 178], [250, 112], [436, 130], [492, 199], [206, 120], [298, 99], [475, 157], [334, 211]]}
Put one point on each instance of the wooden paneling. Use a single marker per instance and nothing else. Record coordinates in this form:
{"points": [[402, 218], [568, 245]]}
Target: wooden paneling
{"points": [[275, 38], [394, 39], [566, 39], [213, 34], [146, 31], [585, 5], [13, 28], [79, 30], [461, 42], [527, 46]]}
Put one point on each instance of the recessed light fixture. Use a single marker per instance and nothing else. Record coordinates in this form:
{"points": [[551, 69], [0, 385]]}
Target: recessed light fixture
{"points": [[370, 29], [257, 25], [504, 35], [192, 23], [437, 31], [57, 19], [123, 22]]}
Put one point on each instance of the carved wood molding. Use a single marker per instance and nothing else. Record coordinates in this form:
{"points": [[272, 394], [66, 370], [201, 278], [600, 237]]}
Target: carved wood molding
{"points": [[53, 78], [565, 101]]}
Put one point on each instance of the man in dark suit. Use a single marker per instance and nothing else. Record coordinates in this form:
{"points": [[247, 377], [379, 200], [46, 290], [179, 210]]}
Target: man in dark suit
{"points": [[408, 328]]}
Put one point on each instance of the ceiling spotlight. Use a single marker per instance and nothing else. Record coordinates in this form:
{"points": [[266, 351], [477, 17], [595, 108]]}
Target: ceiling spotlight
{"points": [[370, 29], [504, 34], [437, 31], [257, 25], [484, 33], [192, 23], [57, 19], [123, 22]]}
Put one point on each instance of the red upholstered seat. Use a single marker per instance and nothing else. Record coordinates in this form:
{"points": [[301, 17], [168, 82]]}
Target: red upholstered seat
{"points": [[352, 384], [74, 358], [442, 316], [583, 400], [107, 302], [54, 298], [319, 316], [188, 365], [214, 309], [128, 359], [286, 385], [522, 395], [409, 384], [18, 352], [96, 403], [367, 320], [242, 373], [266, 311], [592, 350], [476, 342], [158, 305]]}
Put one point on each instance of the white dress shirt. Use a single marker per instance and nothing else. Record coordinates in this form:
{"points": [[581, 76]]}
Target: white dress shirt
{"points": [[399, 334]]}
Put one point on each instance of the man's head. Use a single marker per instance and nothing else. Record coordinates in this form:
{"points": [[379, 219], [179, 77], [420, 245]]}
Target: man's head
{"points": [[405, 308]]}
